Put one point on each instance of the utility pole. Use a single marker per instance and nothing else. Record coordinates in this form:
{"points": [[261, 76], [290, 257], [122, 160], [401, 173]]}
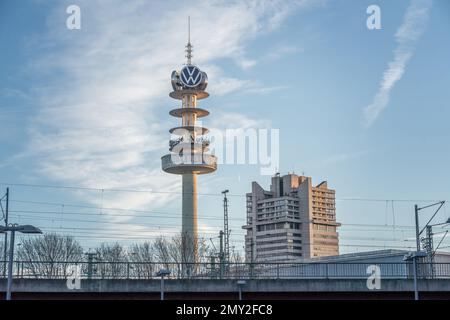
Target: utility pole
{"points": [[430, 249], [221, 254], [416, 287], [418, 254], [225, 227], [416, 211], [213, 265], [5, 250], [90, 256], [429, 242], [252, 259]]}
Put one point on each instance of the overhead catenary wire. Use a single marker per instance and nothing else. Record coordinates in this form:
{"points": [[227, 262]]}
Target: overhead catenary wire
{"points": [[147, 238], [156, 228], [361, 227], [116, 235], [353, 227], [98, 189], [88, 234], [166, 215], [116, 232], [169, 215], [175, 216], [205, 230]]}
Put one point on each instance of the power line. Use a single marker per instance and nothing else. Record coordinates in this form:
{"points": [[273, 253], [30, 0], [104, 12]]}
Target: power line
{"points": [[85, 221], [118, 236], [114, 232], [126, 238], [102, 189], [207, 217], [170, 225], [166, 215], [48, 186]]}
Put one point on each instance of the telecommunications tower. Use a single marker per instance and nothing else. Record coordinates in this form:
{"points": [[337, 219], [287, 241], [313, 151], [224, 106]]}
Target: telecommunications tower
{"points": [[189, 147]]}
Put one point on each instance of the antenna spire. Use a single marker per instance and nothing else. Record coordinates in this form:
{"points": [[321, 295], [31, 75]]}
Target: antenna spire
{"points": [[189, 46]]}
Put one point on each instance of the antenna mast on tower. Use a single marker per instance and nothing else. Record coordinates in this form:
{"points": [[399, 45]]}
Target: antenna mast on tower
{"points": [[225, 227], [189, 45]]}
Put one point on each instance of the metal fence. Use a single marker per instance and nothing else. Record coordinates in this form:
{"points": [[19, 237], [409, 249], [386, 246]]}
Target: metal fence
{"points": [[148, 270]]}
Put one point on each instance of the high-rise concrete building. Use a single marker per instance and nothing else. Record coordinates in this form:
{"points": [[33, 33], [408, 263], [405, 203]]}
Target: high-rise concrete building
{"points": [[188, 147], [291, 221]]}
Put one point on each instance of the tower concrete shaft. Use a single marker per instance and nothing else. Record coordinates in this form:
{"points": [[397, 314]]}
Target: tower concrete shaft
{"points": [[189, 231]]}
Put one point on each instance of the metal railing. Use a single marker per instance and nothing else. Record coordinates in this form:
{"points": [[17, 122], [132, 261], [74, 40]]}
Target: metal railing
{"points": [[148, 270]]}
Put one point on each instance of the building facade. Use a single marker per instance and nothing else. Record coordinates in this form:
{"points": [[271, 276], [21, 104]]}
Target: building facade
{"points": [[293, 220]]}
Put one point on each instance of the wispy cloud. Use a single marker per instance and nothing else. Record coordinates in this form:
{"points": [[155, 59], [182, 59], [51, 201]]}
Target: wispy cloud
{"points": [[235, 120], [344, 157], [261, 89], [280, 51], [407, 35], [247, 63]]}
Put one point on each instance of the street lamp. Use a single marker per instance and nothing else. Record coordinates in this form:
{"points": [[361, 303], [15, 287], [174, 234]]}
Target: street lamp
{"points": [[162, 273], [413, 256], [13, 228]]}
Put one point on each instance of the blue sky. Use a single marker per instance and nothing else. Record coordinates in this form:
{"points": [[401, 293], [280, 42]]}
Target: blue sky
{"points": [[89, 108]]}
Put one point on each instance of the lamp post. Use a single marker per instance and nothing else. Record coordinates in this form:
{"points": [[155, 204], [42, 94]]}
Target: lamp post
{"points": [[240, 284], [6, 213], [412, 256], [13, 228], [161, 273]]}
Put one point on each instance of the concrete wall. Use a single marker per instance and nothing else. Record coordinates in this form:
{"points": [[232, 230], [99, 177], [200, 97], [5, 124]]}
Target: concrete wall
{"points": [[224, 286]]}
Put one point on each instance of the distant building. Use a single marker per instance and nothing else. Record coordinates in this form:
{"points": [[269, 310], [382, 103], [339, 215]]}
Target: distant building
{"points": [[292, 221], [377, 256], [391, 262]]}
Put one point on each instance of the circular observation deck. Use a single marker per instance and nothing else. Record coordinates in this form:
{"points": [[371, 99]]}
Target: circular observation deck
{"points": [[188, 129], [181, 93], [190, 147], [196, 163], [178, 113]]}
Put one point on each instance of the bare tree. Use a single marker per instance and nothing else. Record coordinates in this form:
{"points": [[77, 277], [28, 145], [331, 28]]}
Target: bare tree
{"points": [[112, 260], [142, 259], [170, 253], [50, 255], [236, 256], [3, 261], [2, 246], [161, 249]]}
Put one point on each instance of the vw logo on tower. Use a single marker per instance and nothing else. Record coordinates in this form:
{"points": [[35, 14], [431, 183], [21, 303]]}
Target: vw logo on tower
{"points": [[191, 76]]}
